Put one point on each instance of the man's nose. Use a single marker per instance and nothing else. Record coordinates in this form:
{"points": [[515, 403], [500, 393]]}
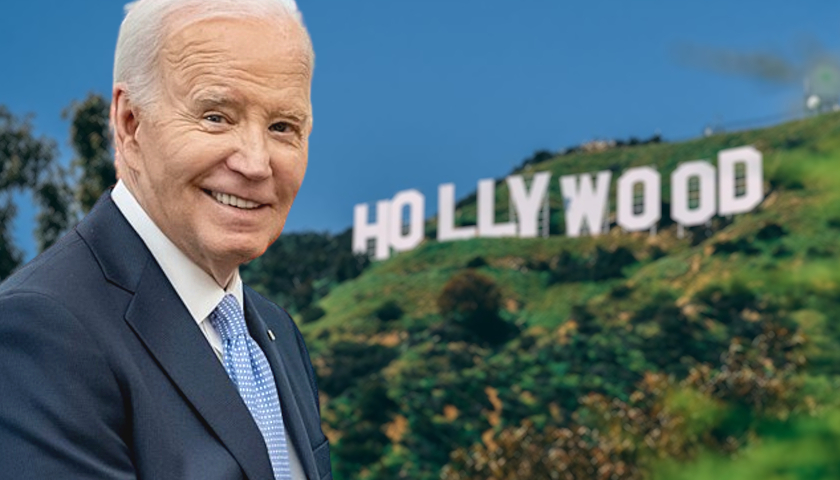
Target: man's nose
{"points": [[252, 159]]}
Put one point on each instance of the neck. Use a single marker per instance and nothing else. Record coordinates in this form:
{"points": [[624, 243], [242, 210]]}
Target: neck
{"points": [[222, 280]]}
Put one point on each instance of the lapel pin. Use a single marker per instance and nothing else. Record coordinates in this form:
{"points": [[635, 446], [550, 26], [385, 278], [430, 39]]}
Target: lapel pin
{"points": [[270, 334]]}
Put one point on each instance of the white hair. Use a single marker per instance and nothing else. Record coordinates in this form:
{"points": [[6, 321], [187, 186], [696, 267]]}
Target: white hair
{"points": [[147, 23]]}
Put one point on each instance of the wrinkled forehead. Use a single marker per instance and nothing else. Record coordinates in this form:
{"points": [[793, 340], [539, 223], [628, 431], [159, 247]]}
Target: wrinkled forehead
{"points": [[225, 42], [283, 27], [266, 59]]}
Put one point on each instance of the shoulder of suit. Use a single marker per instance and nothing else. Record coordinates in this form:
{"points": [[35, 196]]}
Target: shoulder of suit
{"points": [[55, 269]]}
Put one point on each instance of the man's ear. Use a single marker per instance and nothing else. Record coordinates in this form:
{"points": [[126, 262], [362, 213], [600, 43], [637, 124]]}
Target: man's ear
{"points": [[125, 120]]}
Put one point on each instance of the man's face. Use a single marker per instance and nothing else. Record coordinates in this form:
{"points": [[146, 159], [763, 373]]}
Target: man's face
{"points": [[222, 153]]}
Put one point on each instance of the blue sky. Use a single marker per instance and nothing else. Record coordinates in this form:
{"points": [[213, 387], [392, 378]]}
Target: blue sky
{"points": [[411, 94]]}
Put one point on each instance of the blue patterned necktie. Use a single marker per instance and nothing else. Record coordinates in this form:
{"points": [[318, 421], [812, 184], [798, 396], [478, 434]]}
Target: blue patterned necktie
{"points": [[248, 368]]}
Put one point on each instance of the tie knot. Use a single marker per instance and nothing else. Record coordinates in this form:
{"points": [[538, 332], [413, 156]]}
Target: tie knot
{"points": [[227, 318]]}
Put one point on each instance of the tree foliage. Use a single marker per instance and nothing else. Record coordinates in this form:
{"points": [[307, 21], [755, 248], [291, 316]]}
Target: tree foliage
{"points": [[471, 301], [10, 256], [23, 157], [300, 268], [27, 164], [56, 213], [718, 407], [90, 139]]}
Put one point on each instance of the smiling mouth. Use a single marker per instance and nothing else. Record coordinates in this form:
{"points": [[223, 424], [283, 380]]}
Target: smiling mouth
{"points": [[232, 200]]}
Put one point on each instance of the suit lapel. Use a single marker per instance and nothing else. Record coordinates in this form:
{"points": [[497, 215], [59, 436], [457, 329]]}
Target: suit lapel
{"points": [[172, 336], [165, 326], [289, 387]]}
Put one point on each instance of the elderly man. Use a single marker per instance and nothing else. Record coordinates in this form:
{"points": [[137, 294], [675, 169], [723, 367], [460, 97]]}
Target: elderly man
{"points": [[131, 350]]}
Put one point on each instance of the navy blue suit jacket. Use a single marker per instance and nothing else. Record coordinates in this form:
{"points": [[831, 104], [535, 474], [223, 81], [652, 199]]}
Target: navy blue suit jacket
{"points": [[105, 375]]}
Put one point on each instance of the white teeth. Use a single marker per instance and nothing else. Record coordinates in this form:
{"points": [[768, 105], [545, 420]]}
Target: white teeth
{"points": [[234, 201]]}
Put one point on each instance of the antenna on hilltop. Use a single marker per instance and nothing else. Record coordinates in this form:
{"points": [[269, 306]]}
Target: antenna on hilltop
{"points": [[822, 87]]}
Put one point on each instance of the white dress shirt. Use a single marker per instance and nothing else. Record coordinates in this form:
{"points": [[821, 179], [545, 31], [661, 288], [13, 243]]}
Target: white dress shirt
{"points": [[196, 288]]}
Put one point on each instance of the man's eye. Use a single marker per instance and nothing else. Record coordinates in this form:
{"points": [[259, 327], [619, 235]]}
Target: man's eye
{"points": [[281, 127], [214, 118]]}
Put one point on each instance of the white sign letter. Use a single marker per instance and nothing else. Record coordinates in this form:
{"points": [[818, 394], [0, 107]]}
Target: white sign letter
{"points": [[585, 202], [528, 205], [487, 226], [416, 203], [651, 210], [705, 209], [378, 230], [446, 229], [753, 180]]}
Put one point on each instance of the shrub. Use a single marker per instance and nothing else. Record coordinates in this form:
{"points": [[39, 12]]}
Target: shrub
{"points": [[349, 363], [471, 301], [477, 262], [469, 293], [311, 313], [602, 264], [389, 311]]}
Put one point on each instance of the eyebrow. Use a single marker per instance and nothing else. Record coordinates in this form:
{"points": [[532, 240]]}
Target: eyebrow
{"points": [[213, 99], [295, 114]]}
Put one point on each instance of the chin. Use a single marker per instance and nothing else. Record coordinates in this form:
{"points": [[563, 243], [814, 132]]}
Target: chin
{"points": [[238, 247], [242, 252]]}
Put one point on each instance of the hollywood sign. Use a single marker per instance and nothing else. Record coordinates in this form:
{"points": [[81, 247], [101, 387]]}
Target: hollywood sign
{"points": [[585, 202]]}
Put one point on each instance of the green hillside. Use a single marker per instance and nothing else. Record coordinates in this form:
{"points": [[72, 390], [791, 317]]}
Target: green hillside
{"points": [[593, 357]]}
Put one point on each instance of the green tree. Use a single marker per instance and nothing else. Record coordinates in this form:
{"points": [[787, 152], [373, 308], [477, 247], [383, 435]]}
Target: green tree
{"points": [[55, 199], [10, 256], [60, 194], [801, 448], [90, 138], [471, 301], [301, 268], [27, 163]]}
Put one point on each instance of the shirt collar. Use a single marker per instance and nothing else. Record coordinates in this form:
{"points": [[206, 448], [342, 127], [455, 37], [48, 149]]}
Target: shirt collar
{"points": [[196, 288]]}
